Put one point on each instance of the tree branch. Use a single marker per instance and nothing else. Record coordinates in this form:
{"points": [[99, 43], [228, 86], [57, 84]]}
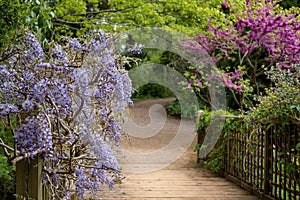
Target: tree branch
{"points": [[26, 155], [5, 148], [61, 21], [236, 100], [103, 167], [106, 11]]}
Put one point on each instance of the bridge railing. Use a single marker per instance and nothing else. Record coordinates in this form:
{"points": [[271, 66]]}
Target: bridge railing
{"points": [[265, 159]]}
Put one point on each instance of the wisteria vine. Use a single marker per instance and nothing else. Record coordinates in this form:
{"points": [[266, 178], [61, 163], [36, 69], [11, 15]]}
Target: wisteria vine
{"points": [[65, 106]]}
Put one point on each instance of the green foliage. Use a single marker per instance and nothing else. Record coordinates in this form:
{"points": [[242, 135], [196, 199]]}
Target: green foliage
{"points": [[10, 20], [152, 91], [215, 159], [203, 121], [286, 4], [31, 14], [174, 108], [75, 17], [282, 99], [38, 20], [7, 172], [7, 180]]}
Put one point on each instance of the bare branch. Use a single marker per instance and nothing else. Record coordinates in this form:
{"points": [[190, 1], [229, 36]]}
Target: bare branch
{"points": [[13, 132], [234, 96], [242, 58], [250, 63], [103, 167], [26, 155], [61, 21], [5, 148], [80, 107]]}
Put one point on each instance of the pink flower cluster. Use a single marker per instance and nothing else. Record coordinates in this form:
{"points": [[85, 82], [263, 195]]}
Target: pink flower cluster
{"points": [[261, 38]]}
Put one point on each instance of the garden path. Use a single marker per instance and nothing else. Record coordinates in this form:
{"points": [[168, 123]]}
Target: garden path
{"points": [[183, 179]]}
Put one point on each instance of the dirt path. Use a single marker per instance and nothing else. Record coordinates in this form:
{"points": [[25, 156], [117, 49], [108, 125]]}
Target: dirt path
{"points": [[183, 179]]}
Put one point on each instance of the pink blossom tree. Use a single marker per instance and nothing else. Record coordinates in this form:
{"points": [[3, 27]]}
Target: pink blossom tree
{"points": [[244, 52]]}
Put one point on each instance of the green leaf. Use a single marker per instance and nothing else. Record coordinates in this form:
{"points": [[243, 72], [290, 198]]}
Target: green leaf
{"points": [[269, 126], [33, 14], [296, 107], [187, 74], [49, 24], [52, 14]]}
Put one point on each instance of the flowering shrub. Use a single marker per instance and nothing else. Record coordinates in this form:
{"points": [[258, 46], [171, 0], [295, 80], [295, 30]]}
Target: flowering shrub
{"points": [[282, 99], [68, 106], [245, 51]]}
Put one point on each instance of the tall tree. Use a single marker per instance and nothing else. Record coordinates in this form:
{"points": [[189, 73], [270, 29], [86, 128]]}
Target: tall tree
{"points": [[261, 38], [186, 16]]}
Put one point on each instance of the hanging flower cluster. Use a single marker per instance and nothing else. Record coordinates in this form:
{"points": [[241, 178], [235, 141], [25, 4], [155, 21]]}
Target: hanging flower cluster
{"points": [[65, 107]]}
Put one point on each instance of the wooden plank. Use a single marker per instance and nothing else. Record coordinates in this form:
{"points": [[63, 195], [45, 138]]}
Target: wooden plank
{"points": [[183, 179], [29, 179]]}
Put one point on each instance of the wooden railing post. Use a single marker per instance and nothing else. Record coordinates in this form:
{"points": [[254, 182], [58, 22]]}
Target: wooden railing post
{"points": [[267, 167], [199, 135], [29, 179]]}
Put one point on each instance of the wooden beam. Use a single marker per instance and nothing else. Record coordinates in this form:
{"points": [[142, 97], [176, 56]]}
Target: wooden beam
{"points": [[29, 179]]}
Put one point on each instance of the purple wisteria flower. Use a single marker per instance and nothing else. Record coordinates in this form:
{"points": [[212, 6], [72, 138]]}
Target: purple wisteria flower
{"points": [[6, 109], [34, 137], [136, 49], [68, 107], [35, 50]]}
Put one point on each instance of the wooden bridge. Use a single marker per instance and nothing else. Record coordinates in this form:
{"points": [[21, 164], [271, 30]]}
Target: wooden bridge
{"points": [[183, 179], [180, 180], [177, 182]]}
